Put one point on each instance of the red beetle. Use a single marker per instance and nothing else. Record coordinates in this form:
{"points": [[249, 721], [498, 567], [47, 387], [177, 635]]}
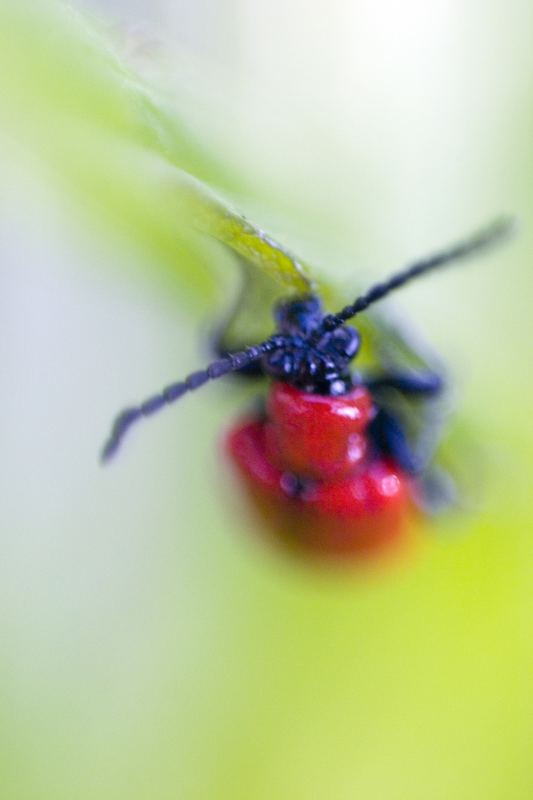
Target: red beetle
{"points": [[311, 473], [329, 460]]}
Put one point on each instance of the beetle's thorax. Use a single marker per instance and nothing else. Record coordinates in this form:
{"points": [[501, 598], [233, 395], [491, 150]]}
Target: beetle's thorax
{"points": [[315, 361]]}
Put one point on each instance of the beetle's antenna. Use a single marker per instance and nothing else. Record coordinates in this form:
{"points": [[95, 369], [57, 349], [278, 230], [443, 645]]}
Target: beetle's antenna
{"points": [[171, 393], [486, 238]]}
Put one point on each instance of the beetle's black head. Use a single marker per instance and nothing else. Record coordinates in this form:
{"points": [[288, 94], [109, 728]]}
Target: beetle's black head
{"points": [[300, 316], [316, 362]]}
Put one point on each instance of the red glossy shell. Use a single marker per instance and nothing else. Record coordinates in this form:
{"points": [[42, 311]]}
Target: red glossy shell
{"points": [[358, 514], [316, 436]]}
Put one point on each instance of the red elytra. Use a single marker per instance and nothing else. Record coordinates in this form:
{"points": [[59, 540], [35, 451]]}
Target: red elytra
{"points": [[348, 505], [317, 436]]}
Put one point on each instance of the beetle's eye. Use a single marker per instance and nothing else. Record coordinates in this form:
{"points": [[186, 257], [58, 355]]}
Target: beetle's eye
{"points": [[300, 316], [346, 342]]}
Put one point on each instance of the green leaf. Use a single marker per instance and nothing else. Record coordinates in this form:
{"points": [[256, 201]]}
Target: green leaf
{"points": [[117, 147]]}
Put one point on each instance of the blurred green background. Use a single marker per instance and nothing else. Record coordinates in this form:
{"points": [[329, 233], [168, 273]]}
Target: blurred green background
{"points": [[152, 646]]}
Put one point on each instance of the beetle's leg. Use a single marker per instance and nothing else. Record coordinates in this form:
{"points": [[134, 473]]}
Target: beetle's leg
{"points": [[388, 438], [420, 384], [387, 429], [423, 384], [434, 489], [218, 338]]}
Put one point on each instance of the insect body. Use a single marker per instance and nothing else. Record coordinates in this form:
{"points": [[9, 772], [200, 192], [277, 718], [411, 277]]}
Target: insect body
{"points": [[326, 463], [328, 453]]}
